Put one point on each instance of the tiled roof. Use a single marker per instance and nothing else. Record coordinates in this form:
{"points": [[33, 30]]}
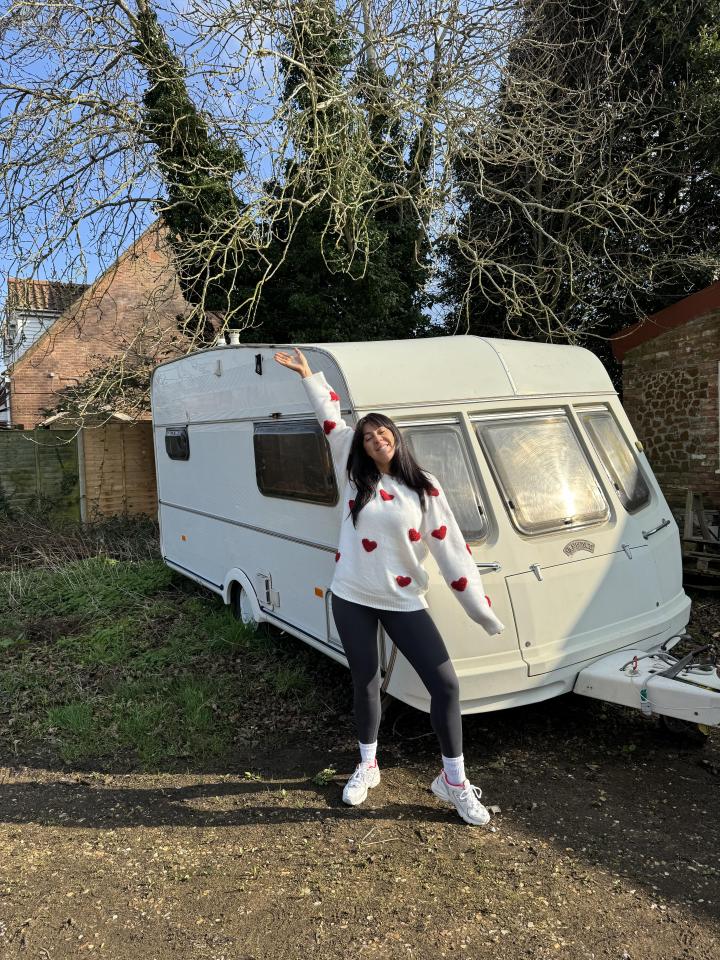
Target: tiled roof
{"points": [[50, 295]]}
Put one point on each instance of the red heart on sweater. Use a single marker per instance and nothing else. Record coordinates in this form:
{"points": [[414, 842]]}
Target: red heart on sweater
{"points": [[434, 492], [439, 534], [468, 549], [333, 395], [414, 535], [403, 581], [488, 600], [351, 503], [369, 544], [459, 584], [329, 425], [387, 496], [337, 557]]}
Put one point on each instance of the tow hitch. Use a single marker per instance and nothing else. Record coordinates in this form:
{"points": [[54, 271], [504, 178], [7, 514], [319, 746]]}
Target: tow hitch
{"points": [[683, 691]]}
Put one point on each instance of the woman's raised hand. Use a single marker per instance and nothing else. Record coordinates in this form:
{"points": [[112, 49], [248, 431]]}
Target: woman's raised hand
{"points": [[298, 363]]}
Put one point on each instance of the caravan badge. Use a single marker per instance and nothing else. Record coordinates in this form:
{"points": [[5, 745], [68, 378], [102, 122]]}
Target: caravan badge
{"points": [[575, 545]]}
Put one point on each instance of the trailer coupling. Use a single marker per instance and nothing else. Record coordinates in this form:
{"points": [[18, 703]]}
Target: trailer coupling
{"points": [[658, 683]]}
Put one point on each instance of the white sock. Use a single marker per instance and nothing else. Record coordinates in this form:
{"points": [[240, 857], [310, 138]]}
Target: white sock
{"points": [[454, 768], [367, 752]]}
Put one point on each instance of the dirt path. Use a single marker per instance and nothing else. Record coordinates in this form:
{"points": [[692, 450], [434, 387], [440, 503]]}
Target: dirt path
{"points": [[606, 846]]}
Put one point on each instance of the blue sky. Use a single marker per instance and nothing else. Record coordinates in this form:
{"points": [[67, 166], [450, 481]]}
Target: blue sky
{"points": [[244, 117]]}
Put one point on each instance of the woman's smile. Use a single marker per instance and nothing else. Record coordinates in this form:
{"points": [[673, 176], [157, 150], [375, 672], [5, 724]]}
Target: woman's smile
{"points": [[379, 445]]}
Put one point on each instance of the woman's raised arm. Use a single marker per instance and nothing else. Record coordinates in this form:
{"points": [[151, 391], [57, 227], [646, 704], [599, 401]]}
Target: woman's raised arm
{"points": [[326, 404]]}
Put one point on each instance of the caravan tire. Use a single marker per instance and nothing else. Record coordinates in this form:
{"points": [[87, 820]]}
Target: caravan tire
{"points": [[241, 606], [694, 734]]}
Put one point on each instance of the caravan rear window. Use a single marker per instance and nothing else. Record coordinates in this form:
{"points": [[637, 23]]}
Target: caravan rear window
{"points": [[292, 461], [618, 459], [543, 474]]}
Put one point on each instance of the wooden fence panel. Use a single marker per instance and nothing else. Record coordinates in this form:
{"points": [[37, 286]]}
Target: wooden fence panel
{"points": [[120, 469], [39, 468]]}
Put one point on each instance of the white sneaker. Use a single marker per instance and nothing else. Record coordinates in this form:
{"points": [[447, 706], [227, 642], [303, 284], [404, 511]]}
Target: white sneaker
{"points": [[364, 778], [465, 799]]}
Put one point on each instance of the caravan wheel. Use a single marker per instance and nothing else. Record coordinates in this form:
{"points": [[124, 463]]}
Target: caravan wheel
{"points": [[696, 734], [241, 606]]}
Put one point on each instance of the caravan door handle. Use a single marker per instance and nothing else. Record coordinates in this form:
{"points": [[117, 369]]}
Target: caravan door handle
{"points": [[490, 565], [661, 526]]}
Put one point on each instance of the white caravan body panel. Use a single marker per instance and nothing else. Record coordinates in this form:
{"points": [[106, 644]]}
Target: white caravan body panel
{"points": [[568, 594]]}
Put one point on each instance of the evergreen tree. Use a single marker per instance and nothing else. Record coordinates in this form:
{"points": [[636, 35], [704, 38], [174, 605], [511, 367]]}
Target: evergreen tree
{"points": [[203, 212], [352, 263], [591, 198]]}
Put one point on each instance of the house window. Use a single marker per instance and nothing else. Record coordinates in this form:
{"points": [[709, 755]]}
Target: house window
{"points": [[441, 451], [545, 478], [177, 444], [620, 464], [293, 461]]}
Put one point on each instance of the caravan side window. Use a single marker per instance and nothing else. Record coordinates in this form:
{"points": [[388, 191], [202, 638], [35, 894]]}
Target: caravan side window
{"points": [[544, 476], [441, 450], [292, 461], [618, 459]]}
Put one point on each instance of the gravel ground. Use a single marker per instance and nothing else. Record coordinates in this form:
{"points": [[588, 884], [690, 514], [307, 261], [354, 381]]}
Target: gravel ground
{"points": [[605, 845]]}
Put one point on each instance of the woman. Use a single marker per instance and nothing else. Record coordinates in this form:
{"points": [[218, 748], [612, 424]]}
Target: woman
{"points": [[395, 513]]}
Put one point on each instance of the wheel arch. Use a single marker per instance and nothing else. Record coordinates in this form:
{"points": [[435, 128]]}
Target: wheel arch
{"points": [[237, 578]]}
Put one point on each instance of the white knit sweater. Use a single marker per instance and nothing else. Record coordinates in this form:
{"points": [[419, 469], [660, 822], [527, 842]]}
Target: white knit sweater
{"points": [[380, 563]]}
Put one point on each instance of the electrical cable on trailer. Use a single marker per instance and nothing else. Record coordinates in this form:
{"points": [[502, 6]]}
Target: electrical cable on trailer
{"points": [[677, 665]]}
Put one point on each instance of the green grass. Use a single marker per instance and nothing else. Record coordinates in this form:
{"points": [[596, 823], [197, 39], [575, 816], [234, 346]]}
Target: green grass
{"points": [[125, 664]]}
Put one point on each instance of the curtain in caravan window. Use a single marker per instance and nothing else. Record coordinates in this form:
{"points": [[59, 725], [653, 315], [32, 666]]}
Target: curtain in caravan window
{"points": [[292, 461], [618, 459], [440, 450]]}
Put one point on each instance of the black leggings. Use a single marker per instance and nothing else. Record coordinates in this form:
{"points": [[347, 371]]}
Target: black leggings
{"points": [[419, 640]]}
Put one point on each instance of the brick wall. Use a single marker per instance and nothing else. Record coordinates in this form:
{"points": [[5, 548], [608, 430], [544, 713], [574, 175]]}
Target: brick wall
{"points": [[670, 393], [135, 302]]}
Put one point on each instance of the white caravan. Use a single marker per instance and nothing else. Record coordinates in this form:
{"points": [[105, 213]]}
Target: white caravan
{"points": [[578, 550]]}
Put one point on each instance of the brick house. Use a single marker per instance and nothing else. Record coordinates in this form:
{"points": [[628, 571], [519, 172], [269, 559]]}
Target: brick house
{"points": [[670, 392], [132, 307], [31, 307]]}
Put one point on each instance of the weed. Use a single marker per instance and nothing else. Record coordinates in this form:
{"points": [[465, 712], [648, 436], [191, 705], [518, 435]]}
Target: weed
{"points": [[288, 678], [324, 776], [89, 587], [75, 724]]}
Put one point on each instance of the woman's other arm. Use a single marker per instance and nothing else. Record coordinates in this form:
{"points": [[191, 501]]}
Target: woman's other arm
{"points": [[445, 540]]}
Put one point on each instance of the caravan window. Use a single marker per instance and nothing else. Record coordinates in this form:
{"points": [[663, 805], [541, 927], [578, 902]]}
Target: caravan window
{"points": [[441, 451], [177, 445], [618, 459], [292, 461], [543, 474]]}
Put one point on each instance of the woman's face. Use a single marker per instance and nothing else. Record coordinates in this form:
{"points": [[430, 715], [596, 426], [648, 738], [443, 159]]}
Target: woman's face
{"points": [[379, 445]]}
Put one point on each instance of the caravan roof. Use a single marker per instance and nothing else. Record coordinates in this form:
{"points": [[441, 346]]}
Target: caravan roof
{"points": [[437, 369], [379, 374]]}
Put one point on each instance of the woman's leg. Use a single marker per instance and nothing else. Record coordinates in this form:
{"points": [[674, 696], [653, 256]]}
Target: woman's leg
{"points": [[357, 626], [418, 639]]}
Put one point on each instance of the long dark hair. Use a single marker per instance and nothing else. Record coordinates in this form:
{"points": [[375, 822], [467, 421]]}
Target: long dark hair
{"points": [[363, 471]]}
